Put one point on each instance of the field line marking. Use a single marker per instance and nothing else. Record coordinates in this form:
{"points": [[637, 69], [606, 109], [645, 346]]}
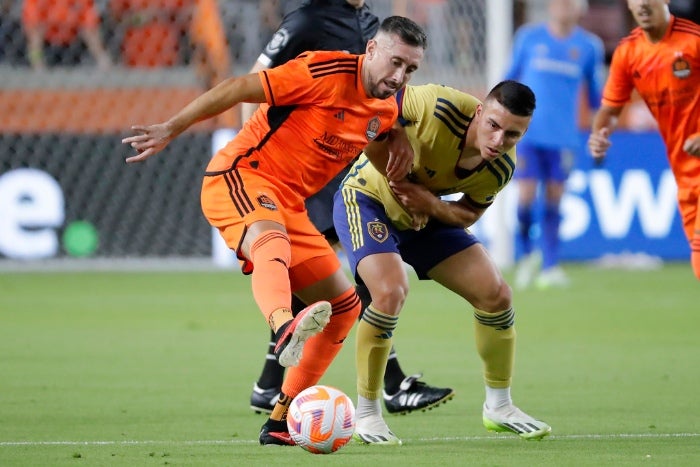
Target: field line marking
{"points": [[254, 441]]}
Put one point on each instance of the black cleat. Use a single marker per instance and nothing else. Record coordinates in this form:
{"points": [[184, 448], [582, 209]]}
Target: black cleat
{"points": [[264, 400], [415, 395], [275, 433]]}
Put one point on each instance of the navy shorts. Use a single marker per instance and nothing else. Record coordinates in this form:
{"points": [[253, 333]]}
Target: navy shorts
{"points": [[364, 229], [543, 164]]}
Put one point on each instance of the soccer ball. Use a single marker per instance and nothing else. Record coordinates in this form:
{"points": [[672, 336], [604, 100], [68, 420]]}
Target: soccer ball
{"points": [[321, 419]]}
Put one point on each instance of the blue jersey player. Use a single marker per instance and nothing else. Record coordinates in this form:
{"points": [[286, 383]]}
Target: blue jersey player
{"points": [[556, 59]]}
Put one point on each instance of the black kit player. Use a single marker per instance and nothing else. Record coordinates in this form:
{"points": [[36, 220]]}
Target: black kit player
{"points": [[332, 25]]}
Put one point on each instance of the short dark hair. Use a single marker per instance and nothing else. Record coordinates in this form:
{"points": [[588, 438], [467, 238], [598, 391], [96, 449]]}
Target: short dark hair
{"points": [[406, 29], [516, 97]]}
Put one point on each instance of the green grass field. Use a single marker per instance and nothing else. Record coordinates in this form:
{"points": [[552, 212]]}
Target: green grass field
{"points": [[153, 368]]}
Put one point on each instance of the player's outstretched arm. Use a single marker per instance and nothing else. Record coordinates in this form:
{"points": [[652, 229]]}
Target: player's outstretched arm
{"points": [[151, 139], [604, 123], [248, 108]]}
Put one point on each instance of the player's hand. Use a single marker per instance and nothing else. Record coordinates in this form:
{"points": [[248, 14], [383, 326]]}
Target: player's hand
{"points": [[400, 155], [416, 199], [147, 141], [692, 145], [419, 221], [599, 143]]}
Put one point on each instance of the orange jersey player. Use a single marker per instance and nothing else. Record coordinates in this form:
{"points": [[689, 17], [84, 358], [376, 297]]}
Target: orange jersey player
{"points": [[300, 147], [321, 110], [661, 60]]}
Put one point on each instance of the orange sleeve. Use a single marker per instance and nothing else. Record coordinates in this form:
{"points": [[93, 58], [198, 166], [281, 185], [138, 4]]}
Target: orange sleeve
{"points": [[292, 83], [619, 85]]}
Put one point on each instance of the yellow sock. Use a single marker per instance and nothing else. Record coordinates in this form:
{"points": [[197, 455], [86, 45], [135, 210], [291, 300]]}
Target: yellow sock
{"points": [[372, 348], [495, 341]]}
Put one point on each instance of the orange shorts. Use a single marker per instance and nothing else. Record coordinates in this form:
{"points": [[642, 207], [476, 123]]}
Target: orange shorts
{"points": [[232, 200], [689, 205]]}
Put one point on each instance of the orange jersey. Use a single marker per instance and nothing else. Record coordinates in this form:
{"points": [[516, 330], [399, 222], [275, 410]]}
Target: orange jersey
{"points": [[666, 74], [317, 119], [61, 20]]}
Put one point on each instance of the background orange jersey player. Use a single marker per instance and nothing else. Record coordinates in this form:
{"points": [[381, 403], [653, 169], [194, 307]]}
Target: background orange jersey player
{"points": [[321, 109], [661, 60]]}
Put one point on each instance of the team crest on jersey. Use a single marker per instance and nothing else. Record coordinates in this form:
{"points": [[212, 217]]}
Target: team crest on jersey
{"points": [[266, 202], [378, 231], [372, 129], [681, 68], [574, 53]]}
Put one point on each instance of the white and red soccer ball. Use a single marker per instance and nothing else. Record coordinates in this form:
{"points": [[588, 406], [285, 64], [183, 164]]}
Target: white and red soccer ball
{"points": [[321, 419]]}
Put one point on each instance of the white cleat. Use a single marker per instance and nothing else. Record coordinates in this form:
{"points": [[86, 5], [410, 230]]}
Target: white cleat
{"points": [[552, 277], [527, 270], [511, 419], [309, 322], [374, 430]]}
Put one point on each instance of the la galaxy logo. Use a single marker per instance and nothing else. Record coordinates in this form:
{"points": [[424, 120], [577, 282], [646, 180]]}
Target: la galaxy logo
{"points": [[681, 67], [266, 202], [372, 129], [378, 231]]}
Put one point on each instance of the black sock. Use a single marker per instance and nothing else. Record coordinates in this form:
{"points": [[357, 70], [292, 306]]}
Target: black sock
{"points": [[393, 375], [272, 372]]}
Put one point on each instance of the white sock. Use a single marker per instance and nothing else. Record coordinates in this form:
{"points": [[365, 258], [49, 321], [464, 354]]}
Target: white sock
{"points": [[497, 397], [366, 407]]}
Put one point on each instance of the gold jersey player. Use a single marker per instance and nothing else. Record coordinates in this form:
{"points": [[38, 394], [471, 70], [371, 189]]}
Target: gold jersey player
{"points": [[462, 146]]}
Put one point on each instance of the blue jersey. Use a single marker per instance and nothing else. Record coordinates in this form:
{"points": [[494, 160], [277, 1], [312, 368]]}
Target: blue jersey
{"points": [[556, 69]]}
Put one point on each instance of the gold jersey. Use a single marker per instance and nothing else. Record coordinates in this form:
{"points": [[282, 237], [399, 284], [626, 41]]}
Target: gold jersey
{"points": [[436, 119]]}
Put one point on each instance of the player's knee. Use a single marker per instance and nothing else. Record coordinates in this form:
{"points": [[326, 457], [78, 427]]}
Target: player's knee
{"points": [[496, 298], [389, 298]]}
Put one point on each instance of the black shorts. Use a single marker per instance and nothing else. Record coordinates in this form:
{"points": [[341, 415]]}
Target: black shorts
{"points": [[320, 207]]}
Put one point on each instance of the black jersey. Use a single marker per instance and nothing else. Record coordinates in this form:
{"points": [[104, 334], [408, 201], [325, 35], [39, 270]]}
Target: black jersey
{"points": [[320, 25]]}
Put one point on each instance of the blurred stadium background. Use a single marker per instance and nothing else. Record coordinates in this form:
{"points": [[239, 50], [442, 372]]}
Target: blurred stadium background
{"points": [[65, 191]]}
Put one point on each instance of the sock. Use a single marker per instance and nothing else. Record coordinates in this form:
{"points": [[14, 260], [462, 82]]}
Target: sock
{"points": [[270, 255], [524, 227], [497, 397], [367, 407], [393, 375], [495, 343], [279, 413], [321, 349], [550, 235], [272, 373], [372, 346]]}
